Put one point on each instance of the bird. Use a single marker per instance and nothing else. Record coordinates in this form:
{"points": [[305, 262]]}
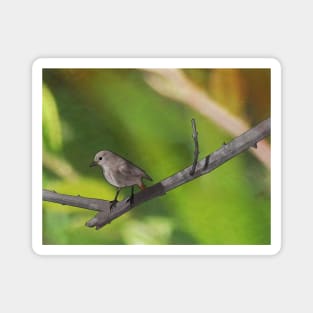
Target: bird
{"points": [[120, 173]]}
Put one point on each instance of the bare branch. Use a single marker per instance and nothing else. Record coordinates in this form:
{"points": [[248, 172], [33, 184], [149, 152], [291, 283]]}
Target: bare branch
{"points": [[248, 139], [196, 153], [78, 201]]}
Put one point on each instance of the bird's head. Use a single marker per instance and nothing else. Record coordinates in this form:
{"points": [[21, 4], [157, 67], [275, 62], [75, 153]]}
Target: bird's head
{"points": [[101, 158]]}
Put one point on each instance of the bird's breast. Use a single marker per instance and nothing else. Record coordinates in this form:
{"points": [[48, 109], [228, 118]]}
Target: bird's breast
{"points": [[110, 177]]}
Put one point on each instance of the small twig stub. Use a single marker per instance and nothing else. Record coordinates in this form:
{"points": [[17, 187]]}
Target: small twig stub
{"points": [[196, 151]]}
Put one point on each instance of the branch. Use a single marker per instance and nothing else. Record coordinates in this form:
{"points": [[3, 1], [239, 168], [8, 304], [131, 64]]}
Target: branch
{"points": [[248, 139]]}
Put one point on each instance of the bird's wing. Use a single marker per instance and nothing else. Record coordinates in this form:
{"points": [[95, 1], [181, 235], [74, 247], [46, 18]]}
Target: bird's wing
{"points": [[128, 169]]}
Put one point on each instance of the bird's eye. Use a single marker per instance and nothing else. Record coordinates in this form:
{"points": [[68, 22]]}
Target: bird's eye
{"points": [[100, 158]]}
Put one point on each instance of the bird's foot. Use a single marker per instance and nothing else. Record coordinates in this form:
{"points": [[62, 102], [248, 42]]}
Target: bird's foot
{"points": [[113, 203], [130, 200]]}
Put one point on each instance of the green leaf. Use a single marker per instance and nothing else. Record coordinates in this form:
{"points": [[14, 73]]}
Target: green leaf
{"points": [[52, 132]]}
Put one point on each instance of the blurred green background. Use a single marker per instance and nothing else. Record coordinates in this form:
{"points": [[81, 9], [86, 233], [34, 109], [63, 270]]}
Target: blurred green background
{"points": [[88, 110]]}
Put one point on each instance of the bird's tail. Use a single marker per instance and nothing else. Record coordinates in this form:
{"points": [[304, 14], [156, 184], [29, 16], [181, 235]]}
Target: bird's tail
{"points": [[147, 176]]}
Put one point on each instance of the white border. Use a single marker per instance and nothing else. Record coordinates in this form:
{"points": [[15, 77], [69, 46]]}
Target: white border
{"points": [[271, 249]]}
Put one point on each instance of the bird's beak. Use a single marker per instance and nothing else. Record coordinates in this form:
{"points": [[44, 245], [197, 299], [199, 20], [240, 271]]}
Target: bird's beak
{"points": [[93, 163]]}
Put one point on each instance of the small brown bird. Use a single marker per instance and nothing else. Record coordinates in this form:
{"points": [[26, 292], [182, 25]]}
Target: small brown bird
{"points": [[120, 172]]}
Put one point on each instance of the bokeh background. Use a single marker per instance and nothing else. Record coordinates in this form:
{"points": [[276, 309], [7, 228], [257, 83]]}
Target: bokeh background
{"points": [[144, 115]]}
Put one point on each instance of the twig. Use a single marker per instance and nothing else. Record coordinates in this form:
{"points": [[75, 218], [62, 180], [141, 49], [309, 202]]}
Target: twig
{"points": [[206, 165], [196, 152]]}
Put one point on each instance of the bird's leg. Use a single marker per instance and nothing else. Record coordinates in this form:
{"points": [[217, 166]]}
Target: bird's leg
{"points": [[113, 202], [131, 198]]}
